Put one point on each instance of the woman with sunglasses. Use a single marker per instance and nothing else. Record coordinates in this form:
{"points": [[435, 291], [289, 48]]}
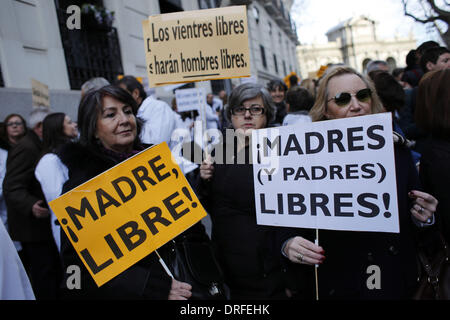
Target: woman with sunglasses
{"points": [[347, 259], [246, 250]]}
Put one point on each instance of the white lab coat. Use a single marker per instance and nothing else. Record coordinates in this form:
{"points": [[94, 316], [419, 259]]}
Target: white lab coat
{"points": [[52, 174], [3, 209], [14, 282], [160, 121]]}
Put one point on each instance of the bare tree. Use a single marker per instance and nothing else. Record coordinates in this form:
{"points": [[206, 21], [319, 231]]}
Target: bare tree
{"points": [[428, 12]]}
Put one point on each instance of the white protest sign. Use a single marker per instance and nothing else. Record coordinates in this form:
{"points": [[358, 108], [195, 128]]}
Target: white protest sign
{"points": [[335, 175], [189, 99]]}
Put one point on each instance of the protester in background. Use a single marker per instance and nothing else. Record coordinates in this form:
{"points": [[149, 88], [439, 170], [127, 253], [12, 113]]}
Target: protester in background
{"points": [[293, 82], [15, 127], [223, 96], [278, 89], [433, 116], [251, 266], [158, 117], [93, 84], [392, 97], [310, 85], [412, 72], [58, 129], [377, 65], [211, 111], [299, 101], [436, 58], [215, 103], [344, 256], [222, 119], [28, 215], [109, 134], [397, 73], [431, 57]]}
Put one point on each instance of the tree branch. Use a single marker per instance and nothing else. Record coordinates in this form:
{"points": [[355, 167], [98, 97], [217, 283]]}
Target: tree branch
{"points": [[438, 10], [427, 19]]}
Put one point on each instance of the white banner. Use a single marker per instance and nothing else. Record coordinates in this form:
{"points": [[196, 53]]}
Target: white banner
{"points": [[190, 99], [335, 175]]}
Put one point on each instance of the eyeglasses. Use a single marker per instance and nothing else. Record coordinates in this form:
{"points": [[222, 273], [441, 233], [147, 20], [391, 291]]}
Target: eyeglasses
{"points": [[342, 99], [18, 123], [255, 110]]}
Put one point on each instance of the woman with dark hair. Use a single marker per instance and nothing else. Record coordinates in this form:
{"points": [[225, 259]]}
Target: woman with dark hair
{"points": [[15, 127], [433, 116], [393, 98], [245, 249], [109, 134], [413, 72], [344, 256], [57, 129], [278, 89]]}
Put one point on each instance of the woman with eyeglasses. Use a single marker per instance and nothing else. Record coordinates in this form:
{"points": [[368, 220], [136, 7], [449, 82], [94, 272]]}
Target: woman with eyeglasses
{"points": [[14, 128], [246, 250], [347, 260]]}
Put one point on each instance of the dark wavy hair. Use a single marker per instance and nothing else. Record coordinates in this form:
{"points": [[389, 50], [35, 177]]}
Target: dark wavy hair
{"points": [[431, 55], [53, 132], [391, 92], [91, 106], [131, 83], [276, 83]]}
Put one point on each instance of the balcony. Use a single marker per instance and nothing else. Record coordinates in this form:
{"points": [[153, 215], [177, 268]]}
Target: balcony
{"points": [[92, 51], [240, 2], [271, 7]]}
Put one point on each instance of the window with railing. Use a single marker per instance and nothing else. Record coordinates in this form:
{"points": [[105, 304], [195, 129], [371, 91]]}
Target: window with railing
{"points": [[93, 50], [168, 6]]}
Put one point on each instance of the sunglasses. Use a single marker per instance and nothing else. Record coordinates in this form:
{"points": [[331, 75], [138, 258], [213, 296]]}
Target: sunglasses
{"points": [[342, 99]]}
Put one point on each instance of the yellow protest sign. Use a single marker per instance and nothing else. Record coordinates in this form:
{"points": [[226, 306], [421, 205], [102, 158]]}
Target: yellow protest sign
{"points": [[197, 45], [39, 94], [119, 217]]}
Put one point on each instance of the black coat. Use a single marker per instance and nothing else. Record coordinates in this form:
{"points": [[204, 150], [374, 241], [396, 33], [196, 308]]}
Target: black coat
{"points": [[246, 251], [348, 254], [145, 279], [435, 177], [22, 190]]}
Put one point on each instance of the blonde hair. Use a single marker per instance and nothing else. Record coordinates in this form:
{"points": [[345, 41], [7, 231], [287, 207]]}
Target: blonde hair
{"points": [[319, 108]]}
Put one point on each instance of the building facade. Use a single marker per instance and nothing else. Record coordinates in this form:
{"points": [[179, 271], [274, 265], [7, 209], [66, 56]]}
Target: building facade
{"points": [[354, 42], [36, 41]]}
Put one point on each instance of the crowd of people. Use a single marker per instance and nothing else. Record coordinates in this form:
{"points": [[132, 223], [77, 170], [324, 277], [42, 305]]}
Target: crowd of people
{"points": [[50, 154]]}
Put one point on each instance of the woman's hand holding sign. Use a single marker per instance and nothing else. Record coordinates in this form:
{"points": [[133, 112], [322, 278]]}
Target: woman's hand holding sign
{"points": [[180, 290], [300, 250], [207, 169], [424, 205]]}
